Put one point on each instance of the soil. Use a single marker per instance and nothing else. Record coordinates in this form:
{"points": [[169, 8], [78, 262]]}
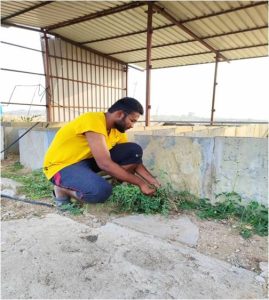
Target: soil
{"points": [[219, 239]]}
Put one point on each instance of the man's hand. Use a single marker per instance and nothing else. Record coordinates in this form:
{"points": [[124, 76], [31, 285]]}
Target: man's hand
{"points": [[147, 190], [155, 182]]}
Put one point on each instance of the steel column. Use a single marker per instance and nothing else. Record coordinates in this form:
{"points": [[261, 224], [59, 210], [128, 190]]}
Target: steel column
{"points": [[47, 76], [148, 64], [214, 90]]}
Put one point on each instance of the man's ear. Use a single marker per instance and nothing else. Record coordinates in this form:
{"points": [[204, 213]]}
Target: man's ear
{"points": [[120, 114]]}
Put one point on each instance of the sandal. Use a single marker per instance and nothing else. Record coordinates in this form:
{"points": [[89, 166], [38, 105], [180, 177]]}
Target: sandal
{"points": [[60, 201]]}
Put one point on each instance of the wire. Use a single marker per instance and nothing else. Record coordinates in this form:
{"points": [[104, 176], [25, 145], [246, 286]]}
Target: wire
{"points": [[19, 137], [27, 200]]}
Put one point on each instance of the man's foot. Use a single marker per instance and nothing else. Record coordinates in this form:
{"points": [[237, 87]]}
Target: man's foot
{"points": [[60, 197]]}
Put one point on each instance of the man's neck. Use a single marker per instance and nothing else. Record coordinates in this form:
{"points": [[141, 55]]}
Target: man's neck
{"points": [[109, 122]]}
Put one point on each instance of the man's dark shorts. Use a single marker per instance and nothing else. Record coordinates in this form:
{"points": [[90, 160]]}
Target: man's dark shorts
{"points": [[82, 177]]}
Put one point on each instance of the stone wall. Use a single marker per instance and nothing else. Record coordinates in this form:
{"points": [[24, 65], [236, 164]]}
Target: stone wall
{"points": [[207, 167]]}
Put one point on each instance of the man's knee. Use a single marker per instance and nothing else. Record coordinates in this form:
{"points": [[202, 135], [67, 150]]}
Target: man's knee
{"points": [[100, 194], [136, 149], [127, 153]]}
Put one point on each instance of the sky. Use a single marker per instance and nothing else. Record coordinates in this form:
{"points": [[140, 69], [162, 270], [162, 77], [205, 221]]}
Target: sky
{"points": [[242, 91]]}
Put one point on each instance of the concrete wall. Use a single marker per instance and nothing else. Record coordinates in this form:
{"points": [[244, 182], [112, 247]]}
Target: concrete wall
{"points": [[33, 147], [252, 130], [207, 167], [2, 142]]}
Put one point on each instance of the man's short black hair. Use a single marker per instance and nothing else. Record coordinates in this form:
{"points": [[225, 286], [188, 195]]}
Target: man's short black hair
{"points": [[128, 105]]}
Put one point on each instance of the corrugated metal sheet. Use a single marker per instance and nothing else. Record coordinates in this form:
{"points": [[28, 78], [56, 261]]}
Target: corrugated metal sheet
{"points": [[9, 7], [237, 29]]}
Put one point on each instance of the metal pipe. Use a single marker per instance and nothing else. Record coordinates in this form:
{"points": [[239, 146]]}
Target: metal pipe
{"points": [[86, 75], [214, 90], [148, 63], [73, 81], [68, 85], [126, 83], [17, 103], [56, 87], [47, 78], [20, 71]]}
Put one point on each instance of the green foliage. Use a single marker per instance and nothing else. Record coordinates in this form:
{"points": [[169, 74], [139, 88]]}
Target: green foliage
{"points": [[9, 172], [29, 118], [35, 184], [128, 198], [253, 217], [72, 208]]}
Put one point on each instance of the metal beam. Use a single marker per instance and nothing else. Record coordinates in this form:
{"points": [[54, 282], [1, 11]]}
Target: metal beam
{"points": [[164, 13], [87, 48], [209, 62], [47, 78], [6, 24], [199, 53], [20, 46], [191, 41], [214, 90], [95, 15], [182, 22], [125, 35], [253, 4], [21, 71], [18, 103], [26, 10], [148, 64]]}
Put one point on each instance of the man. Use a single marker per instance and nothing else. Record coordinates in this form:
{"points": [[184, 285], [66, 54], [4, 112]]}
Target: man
{"points": [[93, 142]]}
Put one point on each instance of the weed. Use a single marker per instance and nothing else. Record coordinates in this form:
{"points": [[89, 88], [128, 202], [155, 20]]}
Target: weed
{"points": [[73, 209], [129, 198], [29, 118], [35, 184], [252, 218], [10, 170]]}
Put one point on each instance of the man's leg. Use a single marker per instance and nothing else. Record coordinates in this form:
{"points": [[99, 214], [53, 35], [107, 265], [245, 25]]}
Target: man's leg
{"points": [[80, 182]]}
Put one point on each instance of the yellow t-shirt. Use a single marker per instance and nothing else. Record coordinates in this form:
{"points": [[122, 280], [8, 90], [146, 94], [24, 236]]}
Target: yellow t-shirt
{"points": [[70, 144]]}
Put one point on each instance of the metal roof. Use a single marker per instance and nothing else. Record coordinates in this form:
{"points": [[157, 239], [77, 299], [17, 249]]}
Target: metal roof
{"points": [[184, 32]]}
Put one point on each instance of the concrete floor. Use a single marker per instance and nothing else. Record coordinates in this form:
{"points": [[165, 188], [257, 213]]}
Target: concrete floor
{"points": [[134, 257]]}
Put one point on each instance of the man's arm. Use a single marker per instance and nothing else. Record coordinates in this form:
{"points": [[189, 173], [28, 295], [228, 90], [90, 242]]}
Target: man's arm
{"points": [[102, 157], [144, 172]]}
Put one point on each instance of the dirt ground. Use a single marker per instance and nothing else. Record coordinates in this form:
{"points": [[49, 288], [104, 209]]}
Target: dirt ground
{"points": [[219, 239]]}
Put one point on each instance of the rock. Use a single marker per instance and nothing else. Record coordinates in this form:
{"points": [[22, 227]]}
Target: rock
{"points": [[260, 279], [264, 268], [9, 187], [8, 192]]}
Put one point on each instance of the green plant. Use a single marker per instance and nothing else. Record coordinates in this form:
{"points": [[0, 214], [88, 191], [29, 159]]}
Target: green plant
{"points": [[29, 118], [73, 208], [129, 198], [35, 184], [252, 218]]}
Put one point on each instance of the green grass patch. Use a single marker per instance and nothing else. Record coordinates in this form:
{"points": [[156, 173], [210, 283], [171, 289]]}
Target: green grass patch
{"points": [[73, 209], [251, 218], [35, 184]]}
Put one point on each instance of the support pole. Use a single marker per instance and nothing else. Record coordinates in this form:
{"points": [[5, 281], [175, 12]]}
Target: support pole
{"points": [[47, 76], [214, 90], [148, 64]]}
